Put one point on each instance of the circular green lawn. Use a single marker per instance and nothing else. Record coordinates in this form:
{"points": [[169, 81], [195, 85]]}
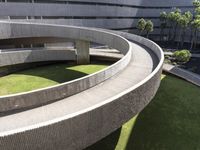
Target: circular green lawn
{"points": [[45, 76]]}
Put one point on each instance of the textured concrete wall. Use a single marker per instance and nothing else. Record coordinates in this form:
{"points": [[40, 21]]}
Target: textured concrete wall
{"points": [[83, 128], [82, 51], [51, 94], [29, 56]]}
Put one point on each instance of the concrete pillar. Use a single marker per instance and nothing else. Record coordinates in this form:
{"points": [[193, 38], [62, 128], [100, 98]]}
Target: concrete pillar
{"points": [[82, 51]]}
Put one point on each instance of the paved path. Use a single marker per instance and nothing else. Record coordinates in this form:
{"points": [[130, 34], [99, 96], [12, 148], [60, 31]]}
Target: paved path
{"points": [[182, 73], [141, 65]]}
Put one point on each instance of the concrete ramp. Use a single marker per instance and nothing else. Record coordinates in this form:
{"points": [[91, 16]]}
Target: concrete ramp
{"points": [[78, 120]]}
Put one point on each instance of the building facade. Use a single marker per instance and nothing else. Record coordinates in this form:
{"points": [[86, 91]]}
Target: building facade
{"points": [[110, 14]]}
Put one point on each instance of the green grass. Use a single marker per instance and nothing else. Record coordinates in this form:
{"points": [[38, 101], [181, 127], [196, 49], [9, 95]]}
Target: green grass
{"points": [[44, 76], [170, 122]]}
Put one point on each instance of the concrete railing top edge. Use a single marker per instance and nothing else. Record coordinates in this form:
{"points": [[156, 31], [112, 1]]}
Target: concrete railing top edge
{"points": [[80, 28]]}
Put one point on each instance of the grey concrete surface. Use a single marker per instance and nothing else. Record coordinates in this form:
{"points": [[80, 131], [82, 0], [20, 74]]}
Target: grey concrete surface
{"points": [[84, 118], [182, 73], [82, 52], [108, 53], [29, 56]]}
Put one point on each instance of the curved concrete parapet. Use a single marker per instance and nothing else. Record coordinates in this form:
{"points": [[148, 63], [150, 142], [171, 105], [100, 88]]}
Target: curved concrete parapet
{"points": [[29, 56], [51, 94], [82, 119]]}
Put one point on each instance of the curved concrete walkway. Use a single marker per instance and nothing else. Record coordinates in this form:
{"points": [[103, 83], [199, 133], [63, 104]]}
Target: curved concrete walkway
{"points": [[141, 66]]}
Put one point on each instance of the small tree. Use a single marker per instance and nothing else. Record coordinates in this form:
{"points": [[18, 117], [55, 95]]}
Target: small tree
{"points": [[173, 18], [176, 17], [149, 27], [183, 22], [141, 25], [170, 21], [195, 28], [195, 24], [163, 20]]}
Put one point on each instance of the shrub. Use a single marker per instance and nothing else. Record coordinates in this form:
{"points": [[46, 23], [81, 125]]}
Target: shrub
{"points": [[141, 25], [182, 56]]}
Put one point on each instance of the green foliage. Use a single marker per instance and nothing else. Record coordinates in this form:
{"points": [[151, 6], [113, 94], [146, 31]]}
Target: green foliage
{"points": [[170, 16], [196, 3], [196, 24], [144, 25], [185, 19], [178, 21], [173, 19], [188, 15], [197, 10], [182, 56], [141, 25], [163, 16], [183, 22], [149, 26], [163, 24], [174, 15]]}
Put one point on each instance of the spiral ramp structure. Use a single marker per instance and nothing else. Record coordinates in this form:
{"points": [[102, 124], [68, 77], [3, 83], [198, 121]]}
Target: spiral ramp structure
{"points": [[76, 114]]}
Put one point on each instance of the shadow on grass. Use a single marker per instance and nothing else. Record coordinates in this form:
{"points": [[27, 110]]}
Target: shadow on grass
{"points": [[59, 72], [108, 143], [170, 122]]}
